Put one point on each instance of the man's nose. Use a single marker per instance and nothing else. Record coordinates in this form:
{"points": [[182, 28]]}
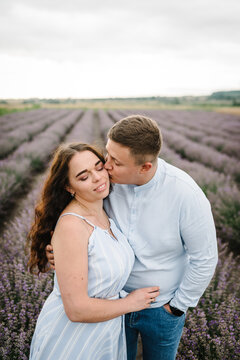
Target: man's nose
{"points": [[108, 165]]}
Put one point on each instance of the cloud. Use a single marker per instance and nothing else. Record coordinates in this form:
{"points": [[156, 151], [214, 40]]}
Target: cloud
{"points": [[113, 41], [56, 29]]}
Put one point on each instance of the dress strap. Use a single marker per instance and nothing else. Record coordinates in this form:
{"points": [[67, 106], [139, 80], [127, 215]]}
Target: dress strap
{"points": [[81, 217]]}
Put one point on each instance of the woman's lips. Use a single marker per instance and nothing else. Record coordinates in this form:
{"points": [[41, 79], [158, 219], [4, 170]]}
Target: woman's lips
{"points": [[101, 188]]}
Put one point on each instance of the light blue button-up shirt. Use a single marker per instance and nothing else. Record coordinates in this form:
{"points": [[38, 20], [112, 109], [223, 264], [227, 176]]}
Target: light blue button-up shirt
{"points": [[169, 224]]}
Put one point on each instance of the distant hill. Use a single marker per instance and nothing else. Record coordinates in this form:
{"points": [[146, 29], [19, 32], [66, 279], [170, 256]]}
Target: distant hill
{"points": [[218, 99], [226, 95]]}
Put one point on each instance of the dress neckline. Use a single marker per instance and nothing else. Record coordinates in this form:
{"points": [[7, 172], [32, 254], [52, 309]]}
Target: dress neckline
{"points": [[93, 225]]}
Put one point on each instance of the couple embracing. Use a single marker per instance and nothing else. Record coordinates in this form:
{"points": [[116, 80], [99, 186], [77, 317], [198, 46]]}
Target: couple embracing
{"points": [[129, 257]]}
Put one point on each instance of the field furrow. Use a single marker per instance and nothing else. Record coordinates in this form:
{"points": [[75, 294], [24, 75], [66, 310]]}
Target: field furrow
{"points": [[194, 151], [27, 132], [27, 118], [218, 135], [31, 157], [105, 123]]}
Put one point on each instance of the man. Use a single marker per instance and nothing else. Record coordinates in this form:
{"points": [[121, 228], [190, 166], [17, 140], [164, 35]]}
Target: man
{"points": [[168, 222]]}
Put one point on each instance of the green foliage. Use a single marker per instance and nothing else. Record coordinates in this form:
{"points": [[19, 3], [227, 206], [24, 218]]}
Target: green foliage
{"points": [[228, 222], [236, 102], [37, 164], [225, 95], [209, 187], [237, 177], [6, 110]]}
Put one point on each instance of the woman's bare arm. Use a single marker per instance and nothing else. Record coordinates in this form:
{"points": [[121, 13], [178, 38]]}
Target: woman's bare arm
{"points": [[71, 263]]}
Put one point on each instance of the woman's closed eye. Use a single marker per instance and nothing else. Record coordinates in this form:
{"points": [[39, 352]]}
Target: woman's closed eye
{"points": [[100, 168]]}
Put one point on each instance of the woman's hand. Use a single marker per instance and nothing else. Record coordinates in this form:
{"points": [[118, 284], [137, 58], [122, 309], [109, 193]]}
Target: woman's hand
{"points": [[50, 256], [142, 298]]}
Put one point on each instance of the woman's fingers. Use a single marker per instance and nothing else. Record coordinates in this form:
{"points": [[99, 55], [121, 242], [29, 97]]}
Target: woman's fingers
{"points": [[154, 292], [152, 289], [151, 294], [151, 299]]}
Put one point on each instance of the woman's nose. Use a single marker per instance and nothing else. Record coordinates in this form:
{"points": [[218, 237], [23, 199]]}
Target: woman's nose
{"points": [[96, 176]]}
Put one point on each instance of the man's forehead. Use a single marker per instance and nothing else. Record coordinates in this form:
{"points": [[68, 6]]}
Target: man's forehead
{"points": [[118, 151]]}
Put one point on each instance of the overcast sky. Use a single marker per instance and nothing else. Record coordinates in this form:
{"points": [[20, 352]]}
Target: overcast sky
{"points": [[105, 48]]}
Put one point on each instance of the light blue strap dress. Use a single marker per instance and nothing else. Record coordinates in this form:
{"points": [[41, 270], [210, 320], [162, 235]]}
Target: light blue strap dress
{"points": [[110, 261]]}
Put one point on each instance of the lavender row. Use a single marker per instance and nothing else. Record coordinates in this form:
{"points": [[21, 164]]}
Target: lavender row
{"points": [[200, 153], [222, 142], [203, 154], [92, 128], [206, 177], [210, 175], [17, 116], [24, 118], [27, 132], [31, 157], [105, 123], [117, 115], [211, 123], [85, 130], [212, 329], [223, 145], [208, 132], [21, 294]]}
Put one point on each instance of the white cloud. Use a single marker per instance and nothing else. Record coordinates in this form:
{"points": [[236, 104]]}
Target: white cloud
{"points": [[91, 48]]}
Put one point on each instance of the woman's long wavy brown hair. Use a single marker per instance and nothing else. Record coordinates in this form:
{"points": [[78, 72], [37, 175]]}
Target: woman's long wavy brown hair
{"points": [[53, 200]]}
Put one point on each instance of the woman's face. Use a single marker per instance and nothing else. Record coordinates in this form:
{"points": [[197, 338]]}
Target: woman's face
{"points": [[88, 179]]}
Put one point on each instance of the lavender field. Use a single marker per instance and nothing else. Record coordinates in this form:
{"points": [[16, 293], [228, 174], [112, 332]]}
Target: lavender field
{"points": [[205, 144]]}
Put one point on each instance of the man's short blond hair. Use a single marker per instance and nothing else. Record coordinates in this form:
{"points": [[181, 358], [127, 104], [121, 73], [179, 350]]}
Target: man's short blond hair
{"points": [[140, 134]]}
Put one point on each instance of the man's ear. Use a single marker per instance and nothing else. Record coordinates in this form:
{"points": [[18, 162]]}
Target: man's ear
{"points": [[146, 167]]}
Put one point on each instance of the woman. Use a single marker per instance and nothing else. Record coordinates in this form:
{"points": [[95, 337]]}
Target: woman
{"points": [[81, 319]]}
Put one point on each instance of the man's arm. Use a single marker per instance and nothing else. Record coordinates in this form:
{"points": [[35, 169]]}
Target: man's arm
{"points": [[199, 238]]}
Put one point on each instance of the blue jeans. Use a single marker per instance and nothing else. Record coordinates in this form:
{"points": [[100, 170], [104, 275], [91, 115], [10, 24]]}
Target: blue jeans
{"points": [[160, 333]]}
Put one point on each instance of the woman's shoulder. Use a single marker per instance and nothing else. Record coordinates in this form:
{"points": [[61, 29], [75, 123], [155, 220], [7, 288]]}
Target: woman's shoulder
{"points": [[71, 221], [71, 230]]}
